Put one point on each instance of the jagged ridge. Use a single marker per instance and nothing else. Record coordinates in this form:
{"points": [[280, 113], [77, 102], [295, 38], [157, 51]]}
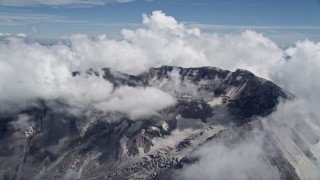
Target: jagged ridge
{"points": [[92, 147]]}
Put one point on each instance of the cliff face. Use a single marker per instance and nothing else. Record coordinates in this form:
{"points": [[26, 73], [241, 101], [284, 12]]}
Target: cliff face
{"points": [[211, 104]]}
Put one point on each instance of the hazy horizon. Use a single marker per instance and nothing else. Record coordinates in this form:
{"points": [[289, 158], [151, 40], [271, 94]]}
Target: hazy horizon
{"points": [[285, 22]]}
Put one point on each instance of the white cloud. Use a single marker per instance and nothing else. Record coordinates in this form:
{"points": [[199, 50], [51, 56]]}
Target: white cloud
{"points": [[240, 27], [219, 161], [241, 161], [162, 41], [174, 85], [137, 102], [29, 70], [301, 72], [42, 75], [158, 21], [247, 157], [23, 122]]}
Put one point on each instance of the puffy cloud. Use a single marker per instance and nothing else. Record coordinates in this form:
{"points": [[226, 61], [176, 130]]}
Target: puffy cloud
{"points": [[219, 161], [23, 122], [137, 102], [165, 41], [292, 130], [174, 84], [30, 70], [298, 74], [158, 21]]}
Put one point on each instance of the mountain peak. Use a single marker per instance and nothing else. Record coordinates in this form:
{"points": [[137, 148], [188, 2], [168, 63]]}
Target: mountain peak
{"points": [[208, 100]]}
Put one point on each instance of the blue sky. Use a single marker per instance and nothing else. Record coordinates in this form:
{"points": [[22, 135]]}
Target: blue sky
{"points": [[284, 21]]}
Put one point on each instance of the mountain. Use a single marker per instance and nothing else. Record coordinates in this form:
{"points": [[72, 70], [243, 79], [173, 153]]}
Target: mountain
{"points": [[212, 106]]}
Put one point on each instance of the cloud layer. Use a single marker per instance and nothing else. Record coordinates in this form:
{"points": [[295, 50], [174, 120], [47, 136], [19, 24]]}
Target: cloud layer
{"points": [[247, 159], [31, 70], [217, 161]]}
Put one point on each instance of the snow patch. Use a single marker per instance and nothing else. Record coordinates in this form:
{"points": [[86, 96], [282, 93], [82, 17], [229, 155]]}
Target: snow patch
{"points": [[197, 136], [216, 101], [123, 143], [154, 128], [231, 91], [165, 126], [29, 131]]}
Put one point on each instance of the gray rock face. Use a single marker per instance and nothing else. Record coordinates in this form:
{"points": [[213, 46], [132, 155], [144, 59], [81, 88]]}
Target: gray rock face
{"points": [[209, 100]]}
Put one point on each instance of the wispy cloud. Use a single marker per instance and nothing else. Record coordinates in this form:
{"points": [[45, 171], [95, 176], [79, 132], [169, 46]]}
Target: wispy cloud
{"points": [[120, 25], [59, 2], [239, 27], [282, 34], [33, 18]]}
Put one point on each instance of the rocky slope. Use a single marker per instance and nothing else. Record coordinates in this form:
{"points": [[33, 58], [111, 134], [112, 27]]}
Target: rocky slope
{"points": [[212, 105]]}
